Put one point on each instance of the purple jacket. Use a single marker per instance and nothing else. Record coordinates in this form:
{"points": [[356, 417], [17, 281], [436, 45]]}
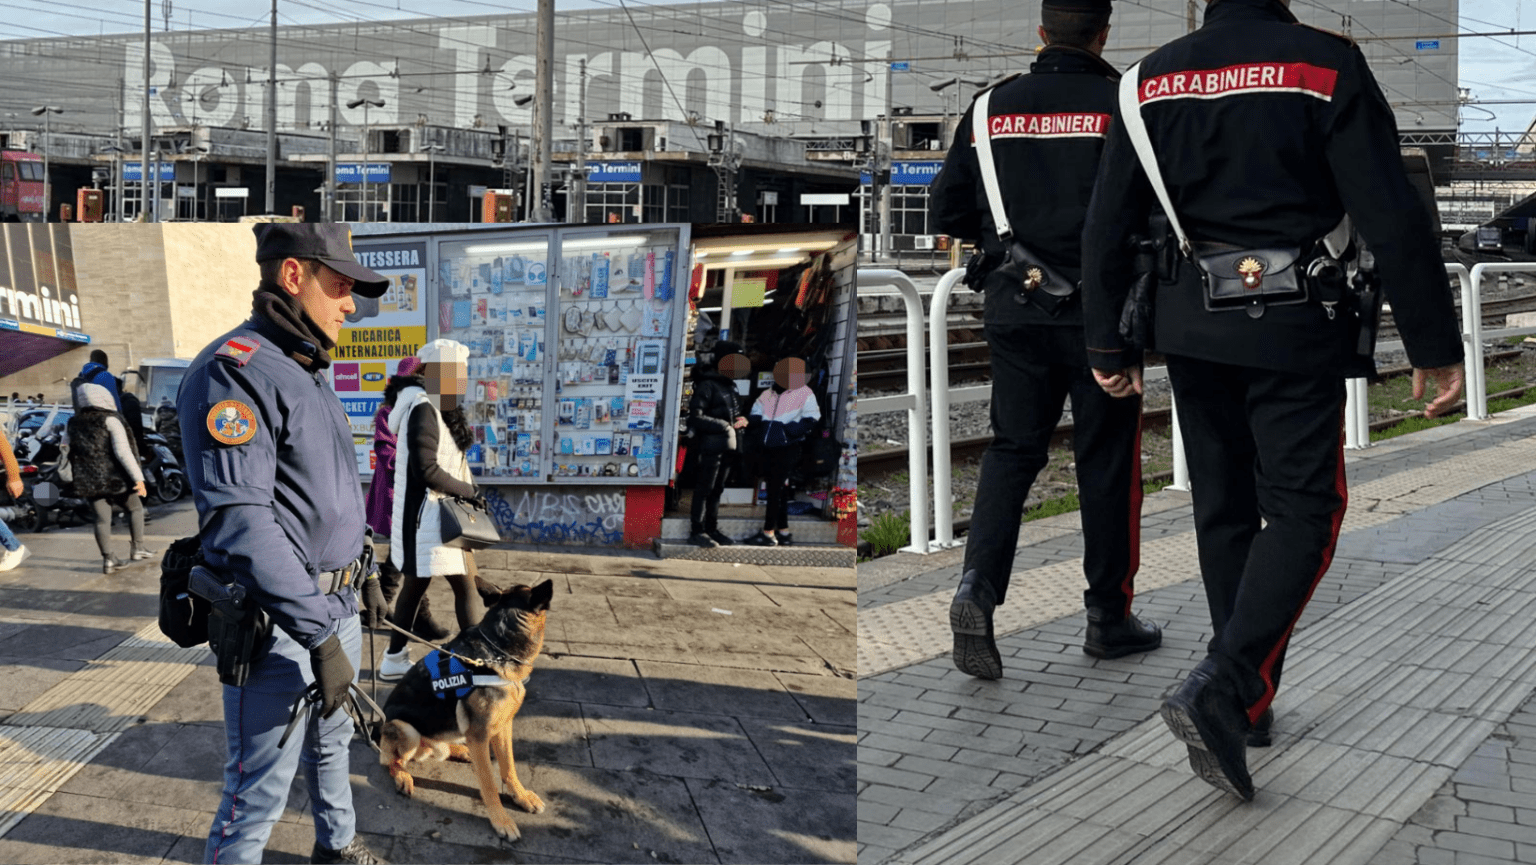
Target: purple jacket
{"points": [[381, 492]]}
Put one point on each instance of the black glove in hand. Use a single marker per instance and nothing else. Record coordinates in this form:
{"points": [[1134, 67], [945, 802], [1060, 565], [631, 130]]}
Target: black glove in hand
{"points": [[333, 674], [375, 608]]}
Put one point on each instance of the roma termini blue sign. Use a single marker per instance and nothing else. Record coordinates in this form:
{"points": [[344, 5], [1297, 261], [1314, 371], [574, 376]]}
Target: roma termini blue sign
{"points": [[613, 172], [348, 172]]}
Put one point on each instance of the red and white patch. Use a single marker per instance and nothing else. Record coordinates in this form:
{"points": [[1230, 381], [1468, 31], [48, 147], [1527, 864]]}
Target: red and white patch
{"points": [[1242, 79], [1078, 124], [239, 349]]}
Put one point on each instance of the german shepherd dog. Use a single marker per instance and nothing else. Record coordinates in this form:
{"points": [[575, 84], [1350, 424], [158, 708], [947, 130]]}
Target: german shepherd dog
{"points": [[464, 712]]}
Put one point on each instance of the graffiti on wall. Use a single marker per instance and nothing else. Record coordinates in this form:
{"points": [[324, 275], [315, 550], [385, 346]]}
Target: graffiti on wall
{"points": [[594, 516]]}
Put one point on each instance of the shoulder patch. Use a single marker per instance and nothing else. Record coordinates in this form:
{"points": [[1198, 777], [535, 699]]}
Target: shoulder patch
{"points": [[239, 349], [1344, 37], [231, 422]]}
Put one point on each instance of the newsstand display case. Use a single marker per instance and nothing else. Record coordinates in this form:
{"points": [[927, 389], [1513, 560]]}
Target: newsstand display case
{"points": [[576, 347]]}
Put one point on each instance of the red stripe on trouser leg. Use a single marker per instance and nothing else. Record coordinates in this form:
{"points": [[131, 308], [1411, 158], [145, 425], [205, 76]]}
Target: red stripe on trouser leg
{"points": [[1133, 530], [1266, 669]]}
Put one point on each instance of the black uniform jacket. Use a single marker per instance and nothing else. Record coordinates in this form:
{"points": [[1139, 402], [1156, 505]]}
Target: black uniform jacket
{"points": [[1047, 130], [1266, 131]]}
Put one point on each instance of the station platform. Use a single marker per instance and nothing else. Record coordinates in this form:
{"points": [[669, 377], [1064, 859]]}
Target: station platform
{"points": [[681, 712], [1405, 726]]}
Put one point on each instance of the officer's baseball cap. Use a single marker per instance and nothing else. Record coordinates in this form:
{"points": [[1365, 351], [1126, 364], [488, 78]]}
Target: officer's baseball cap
{"points": [[1077, 5], [329, 243]]}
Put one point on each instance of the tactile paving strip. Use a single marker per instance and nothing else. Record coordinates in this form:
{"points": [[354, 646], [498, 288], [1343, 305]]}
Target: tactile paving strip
{"points": [[47, 741]]}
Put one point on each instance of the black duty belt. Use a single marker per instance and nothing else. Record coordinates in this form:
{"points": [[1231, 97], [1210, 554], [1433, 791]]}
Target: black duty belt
{"points": [[343, 577]]}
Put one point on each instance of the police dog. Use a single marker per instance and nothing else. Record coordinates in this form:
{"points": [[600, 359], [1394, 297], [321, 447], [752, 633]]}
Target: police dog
{"points": [[445, 709]]}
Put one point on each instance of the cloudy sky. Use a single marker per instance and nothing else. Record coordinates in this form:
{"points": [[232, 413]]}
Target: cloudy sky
{"points": [[1500, 71]]}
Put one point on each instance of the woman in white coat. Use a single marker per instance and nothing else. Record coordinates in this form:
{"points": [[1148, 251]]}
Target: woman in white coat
{"points": [[434, 435]]}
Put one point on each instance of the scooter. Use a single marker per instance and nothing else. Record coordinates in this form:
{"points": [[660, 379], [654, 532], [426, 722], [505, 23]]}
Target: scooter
{"points": [[163, 476]]}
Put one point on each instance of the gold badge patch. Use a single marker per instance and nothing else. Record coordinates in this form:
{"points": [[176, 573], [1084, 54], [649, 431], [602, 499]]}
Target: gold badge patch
{"points": [[231, 422], [1033, 278], [1252, 270]]}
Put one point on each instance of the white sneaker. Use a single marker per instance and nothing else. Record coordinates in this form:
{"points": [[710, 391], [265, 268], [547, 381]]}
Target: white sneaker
{"points": [[394, 665], [15, 557]]}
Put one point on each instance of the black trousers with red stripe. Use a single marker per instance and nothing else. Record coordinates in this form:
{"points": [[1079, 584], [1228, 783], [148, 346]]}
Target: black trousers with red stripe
{"points": [[1262, 445], [1035, 369]]}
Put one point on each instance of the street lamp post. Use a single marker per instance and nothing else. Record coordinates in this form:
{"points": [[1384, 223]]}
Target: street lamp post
{"points": [[366, 104], [47, 112], [432, 150]]}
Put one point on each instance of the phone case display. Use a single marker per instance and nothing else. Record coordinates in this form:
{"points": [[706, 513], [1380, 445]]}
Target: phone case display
{"points": [[493, 298], [615, 326]]}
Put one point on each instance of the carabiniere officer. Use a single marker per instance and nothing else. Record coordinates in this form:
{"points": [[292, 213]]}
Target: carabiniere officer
{"points": [[271, 461], [1047, 131], [1265, 132]]}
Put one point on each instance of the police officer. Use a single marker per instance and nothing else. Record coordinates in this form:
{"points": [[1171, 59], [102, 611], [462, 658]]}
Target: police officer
{"points": [[271, 461], [1265, 133], [1047, 130]]}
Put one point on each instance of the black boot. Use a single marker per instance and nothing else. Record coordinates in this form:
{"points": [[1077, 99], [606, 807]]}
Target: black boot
{"points": [[970, 618], [1260, 736], [1113, 637], [355, 852], [427, 627], [1207, 716]]}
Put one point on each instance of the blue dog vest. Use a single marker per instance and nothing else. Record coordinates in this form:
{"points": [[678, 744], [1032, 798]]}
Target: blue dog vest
{"points": [[452, 679]]}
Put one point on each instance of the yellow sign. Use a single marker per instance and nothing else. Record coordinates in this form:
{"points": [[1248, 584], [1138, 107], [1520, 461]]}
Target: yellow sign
{"points": [[379, 343], [748, 292]]}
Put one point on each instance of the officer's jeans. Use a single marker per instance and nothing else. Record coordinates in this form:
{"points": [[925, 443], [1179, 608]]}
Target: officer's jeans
{"points": [[258, 773], [1268, 445], [1035, 368], [708, 485]]}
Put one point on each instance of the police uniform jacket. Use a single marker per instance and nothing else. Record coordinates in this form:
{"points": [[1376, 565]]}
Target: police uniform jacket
{"points": [[1266, 132], [1048, 130], [274, 473]]}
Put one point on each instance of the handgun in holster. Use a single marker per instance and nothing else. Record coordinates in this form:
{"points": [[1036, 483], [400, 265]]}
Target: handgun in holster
{"points": [[1367, 299], [1154, 259], [980, 266], [237, 627]]}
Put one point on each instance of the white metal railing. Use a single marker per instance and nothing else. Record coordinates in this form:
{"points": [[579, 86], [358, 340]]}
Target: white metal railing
{"points": [[938, 348], [1477, 393], [915, 400]]}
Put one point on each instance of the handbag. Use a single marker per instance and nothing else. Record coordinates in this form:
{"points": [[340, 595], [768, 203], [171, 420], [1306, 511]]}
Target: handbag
{"points": [[466, 524], [1030, 278]]}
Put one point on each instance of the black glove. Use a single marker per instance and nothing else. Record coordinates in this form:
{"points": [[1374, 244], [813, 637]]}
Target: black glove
{"points": [[333, 674], [375, 608]]}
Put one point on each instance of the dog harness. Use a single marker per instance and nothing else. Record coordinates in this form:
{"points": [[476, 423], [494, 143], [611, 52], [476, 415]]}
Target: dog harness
{"points": [[452, 679]]}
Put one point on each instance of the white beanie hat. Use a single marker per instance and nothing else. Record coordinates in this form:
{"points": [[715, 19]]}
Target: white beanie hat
{"points": [[444, 351]]}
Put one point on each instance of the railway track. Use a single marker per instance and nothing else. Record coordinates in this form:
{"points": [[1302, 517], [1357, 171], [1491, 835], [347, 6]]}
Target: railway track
{"points": [[895, 459], [886, 369]]}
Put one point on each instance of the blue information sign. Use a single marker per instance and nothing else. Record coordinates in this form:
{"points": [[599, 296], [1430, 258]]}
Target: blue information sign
{"points": [[134, 171], [613, 172], [1427, 45], [349, 172], [914, 173], [901, 66]]}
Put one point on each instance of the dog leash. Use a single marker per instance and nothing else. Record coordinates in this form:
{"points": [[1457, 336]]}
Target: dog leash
{"points": [[311, 698], [477, 662]]}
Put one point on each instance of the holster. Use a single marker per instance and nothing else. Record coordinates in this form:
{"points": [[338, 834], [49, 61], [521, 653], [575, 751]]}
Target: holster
{"points": [[978, 267], [1367, 297], [1148, 266], [1249, 279], [238, 628]]}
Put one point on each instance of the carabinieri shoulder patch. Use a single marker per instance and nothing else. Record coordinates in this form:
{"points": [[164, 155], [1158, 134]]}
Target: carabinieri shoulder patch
{"points": [[239, 349], [231, 422]]}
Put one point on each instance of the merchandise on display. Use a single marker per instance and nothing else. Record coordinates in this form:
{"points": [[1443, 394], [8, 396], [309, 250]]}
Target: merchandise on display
{"points": [[608, 321]]}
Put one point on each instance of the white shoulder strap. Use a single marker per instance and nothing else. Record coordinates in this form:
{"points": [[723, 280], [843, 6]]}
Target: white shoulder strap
{"points": [[981, 129], [1136, 128]]}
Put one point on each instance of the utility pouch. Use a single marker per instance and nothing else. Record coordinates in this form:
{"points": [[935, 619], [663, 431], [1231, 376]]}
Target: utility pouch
{"points": [[1033, 281], [183, 615], [1249, 279], [237, 628]]}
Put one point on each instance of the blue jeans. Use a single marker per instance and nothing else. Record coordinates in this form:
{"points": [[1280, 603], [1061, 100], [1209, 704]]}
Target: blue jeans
{"points": [[258, 773], [8, 538]]}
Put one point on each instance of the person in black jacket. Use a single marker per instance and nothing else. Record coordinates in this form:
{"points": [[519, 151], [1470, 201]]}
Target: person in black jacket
{"points": [[105, 462], [1047, 130], [714, 416], [1265, 133]]}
